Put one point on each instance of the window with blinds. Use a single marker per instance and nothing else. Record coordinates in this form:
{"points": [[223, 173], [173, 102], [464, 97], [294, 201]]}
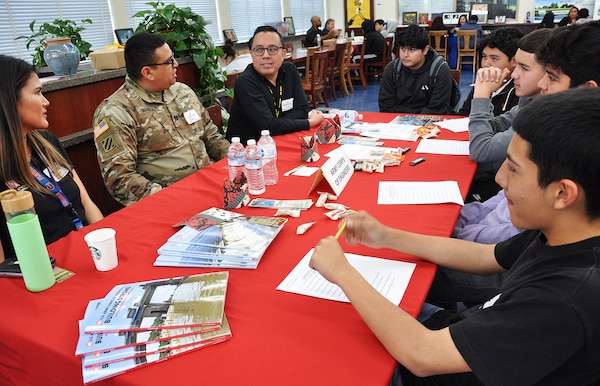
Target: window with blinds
{"points": [[205, 8], [302, 11], [246, 15], [16, 15]]}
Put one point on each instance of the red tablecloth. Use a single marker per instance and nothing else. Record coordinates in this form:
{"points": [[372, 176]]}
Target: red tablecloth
{"points": [[279, 338]]}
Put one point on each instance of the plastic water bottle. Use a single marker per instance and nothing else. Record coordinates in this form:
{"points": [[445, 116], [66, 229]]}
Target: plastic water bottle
{"points": [[268, 151], [236, 157], [318, 40], [27, 239], [352, 34], [254, 170]]}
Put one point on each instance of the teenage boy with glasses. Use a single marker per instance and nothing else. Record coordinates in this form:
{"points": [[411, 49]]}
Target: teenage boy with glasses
{"points": [[152, 131], [268, 94]]}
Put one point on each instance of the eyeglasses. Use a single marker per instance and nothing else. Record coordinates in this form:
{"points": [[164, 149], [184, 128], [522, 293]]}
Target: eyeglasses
{"points": [[272, 50], [170, 62]]}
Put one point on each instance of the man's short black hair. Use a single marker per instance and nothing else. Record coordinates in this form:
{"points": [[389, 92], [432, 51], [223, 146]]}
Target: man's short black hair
{"points": [[475, 18], [534, 40], [265, 28], [563, 133], [140, 51], [505, 39], [575, 51], [414, 36]]}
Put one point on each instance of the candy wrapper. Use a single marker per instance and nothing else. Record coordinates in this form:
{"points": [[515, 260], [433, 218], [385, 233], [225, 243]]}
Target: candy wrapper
{"points": [[288, 212], [309, 149], [234, 192], [339, 213], [329, 130], [429, 130], [323, 197], [304, 227], [369, 165]]}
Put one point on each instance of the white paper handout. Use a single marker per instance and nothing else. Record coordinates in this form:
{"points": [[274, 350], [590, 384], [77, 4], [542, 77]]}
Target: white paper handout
{"points": [[387, 131], [443, 146], [413, 192], [456, 125], [364, 152], [389, 277]]}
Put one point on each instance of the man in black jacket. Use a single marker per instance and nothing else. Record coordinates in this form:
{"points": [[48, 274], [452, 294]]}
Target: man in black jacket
{"points": [[408, 87]]}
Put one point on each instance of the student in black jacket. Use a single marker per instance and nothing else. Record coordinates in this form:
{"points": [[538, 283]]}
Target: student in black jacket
{"points": [[407, 87]]}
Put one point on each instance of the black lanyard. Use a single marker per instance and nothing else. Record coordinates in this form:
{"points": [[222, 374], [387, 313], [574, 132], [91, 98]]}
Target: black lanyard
{"points": [[277, 101], [53, 186]]}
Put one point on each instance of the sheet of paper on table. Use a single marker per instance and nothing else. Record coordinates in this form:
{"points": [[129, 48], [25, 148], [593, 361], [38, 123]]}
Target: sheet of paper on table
{"points": [[364, 152], [443, 146], [389, 277], [414, 192], [456, 125], [385, 130]]}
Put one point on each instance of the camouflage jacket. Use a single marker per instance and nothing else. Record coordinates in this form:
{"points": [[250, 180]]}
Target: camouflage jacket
{"points": [[148, 140]]}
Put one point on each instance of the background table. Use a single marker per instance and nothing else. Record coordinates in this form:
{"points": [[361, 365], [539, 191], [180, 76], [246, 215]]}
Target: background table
{"points": [[279, 338]]}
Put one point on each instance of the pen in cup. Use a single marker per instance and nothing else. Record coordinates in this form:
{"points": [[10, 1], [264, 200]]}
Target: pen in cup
{"points": [[340, 231]]}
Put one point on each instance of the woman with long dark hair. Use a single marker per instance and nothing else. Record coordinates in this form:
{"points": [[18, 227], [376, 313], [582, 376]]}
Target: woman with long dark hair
{"points": [[33, 159]]}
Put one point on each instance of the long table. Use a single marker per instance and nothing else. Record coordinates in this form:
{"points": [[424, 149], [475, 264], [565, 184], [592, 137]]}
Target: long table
{"points": [[279, 338]]}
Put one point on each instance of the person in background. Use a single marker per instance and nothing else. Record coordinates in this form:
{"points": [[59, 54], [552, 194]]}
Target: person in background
{"points": [[570, 18], [470, 26], [406, 87], [571, 58], [584, 16], [152, 131], [498, 50], [330, 29], [379, 27], [233, 62], [375, 42], [547, 21], [462, 20], [542, 326], [269, 94], [311, 34], [34, 159], [438, 25]]}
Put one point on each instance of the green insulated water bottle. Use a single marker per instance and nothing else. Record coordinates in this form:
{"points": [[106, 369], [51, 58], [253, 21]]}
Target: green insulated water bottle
{"points": [[27, 239]]}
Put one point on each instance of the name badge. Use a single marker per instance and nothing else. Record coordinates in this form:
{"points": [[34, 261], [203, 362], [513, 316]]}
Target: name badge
{"points": [[287, 104], [191, 116]]}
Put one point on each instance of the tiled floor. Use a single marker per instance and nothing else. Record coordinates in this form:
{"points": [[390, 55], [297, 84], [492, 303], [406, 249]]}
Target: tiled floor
{"points": [[366, 100]]}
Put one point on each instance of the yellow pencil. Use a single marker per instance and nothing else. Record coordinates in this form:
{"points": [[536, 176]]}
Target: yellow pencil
{"points": [[341, 230]]}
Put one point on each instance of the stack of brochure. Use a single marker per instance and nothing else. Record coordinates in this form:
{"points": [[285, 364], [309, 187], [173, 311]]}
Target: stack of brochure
{"points": [[140, 323], [220, 238]]}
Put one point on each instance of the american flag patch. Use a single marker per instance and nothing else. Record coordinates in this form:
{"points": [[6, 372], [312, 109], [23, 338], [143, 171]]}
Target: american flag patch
{"points": [[100, 128]]}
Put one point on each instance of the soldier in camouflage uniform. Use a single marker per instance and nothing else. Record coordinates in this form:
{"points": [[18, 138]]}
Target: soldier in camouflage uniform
{"points": [[152, 131]]}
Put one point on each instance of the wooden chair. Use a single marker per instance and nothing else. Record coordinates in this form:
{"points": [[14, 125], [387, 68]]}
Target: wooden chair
{"points": [[439, 42], [309, 53], [456, 75], [318, 77], [346, 69], [289, 47], [359, 67], [376, 68], [466, 39], [329, 42], [336, 71]]}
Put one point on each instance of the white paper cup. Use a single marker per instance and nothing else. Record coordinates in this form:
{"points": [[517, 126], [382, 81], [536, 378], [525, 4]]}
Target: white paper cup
{"points": [[103, 247]]}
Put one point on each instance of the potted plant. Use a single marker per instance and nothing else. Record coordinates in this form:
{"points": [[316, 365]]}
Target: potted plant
{"points": [[58, 28], [185, 32]]}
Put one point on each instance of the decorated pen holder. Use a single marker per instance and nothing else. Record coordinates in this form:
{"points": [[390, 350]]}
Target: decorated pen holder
{"points": [[309, 148]]}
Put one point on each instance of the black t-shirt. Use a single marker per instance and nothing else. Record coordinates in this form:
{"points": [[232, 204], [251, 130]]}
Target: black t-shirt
{"points": [[54, 218]]}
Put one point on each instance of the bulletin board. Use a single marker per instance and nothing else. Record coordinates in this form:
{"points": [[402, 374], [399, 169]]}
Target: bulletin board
{"points": [[357, 11]]}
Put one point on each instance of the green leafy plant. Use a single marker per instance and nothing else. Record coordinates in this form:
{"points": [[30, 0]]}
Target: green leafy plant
{"points": [[185, 32], [58, 28]]}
